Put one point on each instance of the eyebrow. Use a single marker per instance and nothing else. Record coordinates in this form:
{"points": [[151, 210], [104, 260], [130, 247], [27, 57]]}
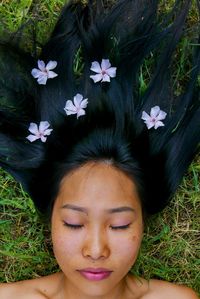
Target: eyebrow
{"points": [[75, 208], [121, 209], [110, 211]]}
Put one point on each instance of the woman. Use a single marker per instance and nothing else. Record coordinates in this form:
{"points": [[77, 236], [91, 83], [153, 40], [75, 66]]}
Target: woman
{"points": [[94, 151]]}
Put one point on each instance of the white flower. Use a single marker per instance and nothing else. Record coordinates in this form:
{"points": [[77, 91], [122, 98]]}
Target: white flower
{"points": [[104, 72], [44, 72], [77, 107], [39, 132], [155, 117]]}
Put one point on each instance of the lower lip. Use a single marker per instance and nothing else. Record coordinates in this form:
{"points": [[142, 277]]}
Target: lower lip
{"points": [[95, 276]]}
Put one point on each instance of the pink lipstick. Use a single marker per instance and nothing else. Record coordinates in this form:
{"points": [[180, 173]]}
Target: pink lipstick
{"points": [[95, 274]]}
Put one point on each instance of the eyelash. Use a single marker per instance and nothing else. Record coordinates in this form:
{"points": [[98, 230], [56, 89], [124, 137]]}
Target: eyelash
{"points": [[73, 226], [78, 226], [120, 227]]}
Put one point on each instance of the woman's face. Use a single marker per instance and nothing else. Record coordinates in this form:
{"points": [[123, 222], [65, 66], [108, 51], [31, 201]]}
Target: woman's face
{"points": [[97, 228]]}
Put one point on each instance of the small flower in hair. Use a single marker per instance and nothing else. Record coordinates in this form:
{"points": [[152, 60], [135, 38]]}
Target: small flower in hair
{"points": [[39, 132], [155, 117], [104, 71], [44, 72], [77, 107]]}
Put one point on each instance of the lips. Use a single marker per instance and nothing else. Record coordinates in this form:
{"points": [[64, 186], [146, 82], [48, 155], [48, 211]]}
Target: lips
{"points": [[95, 274]]}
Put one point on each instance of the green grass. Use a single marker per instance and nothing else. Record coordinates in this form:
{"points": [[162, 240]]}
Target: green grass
{"points": [[170, 249], [25, 249]]}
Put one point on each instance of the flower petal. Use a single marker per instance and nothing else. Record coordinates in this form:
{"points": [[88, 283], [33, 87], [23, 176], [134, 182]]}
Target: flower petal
{"points": [[111, 72], [42, 80], [43, 139], [48, 132], [51, 65], [97, 78], [145, 116], [44, 125], [52, 74], [95, 67], [70, 108], [158, 124], [84, 103], [162, 115], [106, 78], [32, 138], [33, 128], [105, 64], [155, 111], [78, 99], [41, 65], [80, 112], [36, 73], [149, 124], [70, 112]]}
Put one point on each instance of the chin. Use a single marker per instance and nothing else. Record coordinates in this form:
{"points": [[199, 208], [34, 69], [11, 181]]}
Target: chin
{"points": [[98, 288]]}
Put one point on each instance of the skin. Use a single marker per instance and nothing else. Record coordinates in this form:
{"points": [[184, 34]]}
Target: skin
{"points": [[105, 237]]}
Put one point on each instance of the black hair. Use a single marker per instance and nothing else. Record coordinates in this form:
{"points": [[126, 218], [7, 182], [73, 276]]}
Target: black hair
{"points": [[112, 129]]}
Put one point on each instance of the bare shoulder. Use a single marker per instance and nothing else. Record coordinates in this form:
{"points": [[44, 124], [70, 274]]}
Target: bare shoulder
{"points": [[20, 290], [157, 289], [40, 288], [164, 290]]}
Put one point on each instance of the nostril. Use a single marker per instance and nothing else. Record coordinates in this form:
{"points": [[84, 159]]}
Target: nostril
{"points": [[94, 255], [96, 251]]}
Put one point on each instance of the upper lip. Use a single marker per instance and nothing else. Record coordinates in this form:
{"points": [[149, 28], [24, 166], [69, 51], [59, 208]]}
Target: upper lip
{"points": [[95, 270]]}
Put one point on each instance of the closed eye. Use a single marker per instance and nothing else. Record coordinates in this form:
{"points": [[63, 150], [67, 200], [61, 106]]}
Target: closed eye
{"points": [[120, 227], [79, 226], [72, 226]]}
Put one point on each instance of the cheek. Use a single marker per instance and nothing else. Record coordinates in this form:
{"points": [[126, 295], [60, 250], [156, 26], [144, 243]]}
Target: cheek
{"points": [[128, 247], [131, 245], [65, 243], [66, 250]]}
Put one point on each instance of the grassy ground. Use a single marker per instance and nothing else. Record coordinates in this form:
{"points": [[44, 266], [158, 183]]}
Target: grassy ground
{"points": [[170, 250]]}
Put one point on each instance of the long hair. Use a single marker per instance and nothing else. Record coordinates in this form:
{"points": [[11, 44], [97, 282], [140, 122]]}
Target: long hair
{"points": [[112, 129]]}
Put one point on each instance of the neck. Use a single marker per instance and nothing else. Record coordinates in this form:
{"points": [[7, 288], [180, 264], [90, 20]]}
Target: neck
{"points": [[70, 291]]}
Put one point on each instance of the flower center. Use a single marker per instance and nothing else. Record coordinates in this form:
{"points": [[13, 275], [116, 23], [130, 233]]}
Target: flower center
{"points": [[103, 72], [46, 71]]}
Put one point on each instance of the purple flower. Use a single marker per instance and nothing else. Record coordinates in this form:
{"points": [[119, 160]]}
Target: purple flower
{"points": [[155, 117], [104, 71], [44, 72], [76, 107], [39, 132]]}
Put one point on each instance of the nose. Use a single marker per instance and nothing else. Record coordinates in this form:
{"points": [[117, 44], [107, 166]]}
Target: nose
{"points": [[96, 245]]}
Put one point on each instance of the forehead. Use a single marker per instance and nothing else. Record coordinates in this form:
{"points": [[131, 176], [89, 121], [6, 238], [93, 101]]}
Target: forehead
{"points": [[97, 184]]}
